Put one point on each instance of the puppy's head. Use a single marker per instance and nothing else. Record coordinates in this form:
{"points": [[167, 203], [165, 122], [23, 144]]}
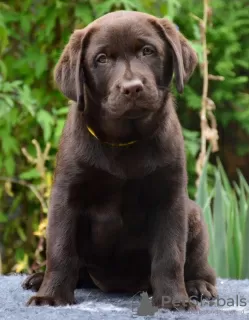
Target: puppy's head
{"points": [[123, 64]]}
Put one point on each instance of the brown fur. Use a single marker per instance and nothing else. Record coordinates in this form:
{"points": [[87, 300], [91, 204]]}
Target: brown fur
{"points": [[120, 217]]}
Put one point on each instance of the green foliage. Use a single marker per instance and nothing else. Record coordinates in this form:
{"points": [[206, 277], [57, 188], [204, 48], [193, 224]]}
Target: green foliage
{"points": [[32, 36], [228, 44], [226, 212]]}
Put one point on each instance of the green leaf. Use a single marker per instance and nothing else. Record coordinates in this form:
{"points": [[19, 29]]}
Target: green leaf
{"points": [[221, 257], [173, 7], [237, 237], [3, 38], [3, 218], [46, 121], [19, 254], [198, 49], [104, 7], [84, 13], [3, 69], [25, 23], [22, 234], [30, 174], [245, 265], [41, 66], [207, 213], [62, 111], [243, 182], [9, 144], [9, 165], [26, 99], [224, 178], [191, 139], [58, 129]]}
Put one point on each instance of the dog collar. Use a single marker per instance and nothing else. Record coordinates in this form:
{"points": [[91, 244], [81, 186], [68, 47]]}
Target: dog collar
{"points": [[111, 144]]}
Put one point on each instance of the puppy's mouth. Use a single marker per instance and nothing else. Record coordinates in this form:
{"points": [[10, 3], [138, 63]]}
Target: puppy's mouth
{"points": [[136, 114]]}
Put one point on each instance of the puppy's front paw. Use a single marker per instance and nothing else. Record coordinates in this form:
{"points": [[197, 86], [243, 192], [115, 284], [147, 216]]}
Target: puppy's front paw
{"points": [[50, 301], [201, 289]]}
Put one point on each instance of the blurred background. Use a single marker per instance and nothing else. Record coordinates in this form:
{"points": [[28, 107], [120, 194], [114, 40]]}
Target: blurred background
{"points": [[214, 113]]}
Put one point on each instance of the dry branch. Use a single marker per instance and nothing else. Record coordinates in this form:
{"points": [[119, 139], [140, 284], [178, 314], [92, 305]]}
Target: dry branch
{"points": [[208, 123]]}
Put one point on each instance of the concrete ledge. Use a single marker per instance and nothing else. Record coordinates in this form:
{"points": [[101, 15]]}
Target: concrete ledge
{"points": [[93, 304]]}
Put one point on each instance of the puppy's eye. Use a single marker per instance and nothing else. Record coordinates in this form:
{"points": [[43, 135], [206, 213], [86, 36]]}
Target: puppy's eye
{"points": [[147, 51], [101, 58]]}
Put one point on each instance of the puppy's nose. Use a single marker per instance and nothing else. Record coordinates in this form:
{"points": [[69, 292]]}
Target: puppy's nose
{"points": [[131, 88]]}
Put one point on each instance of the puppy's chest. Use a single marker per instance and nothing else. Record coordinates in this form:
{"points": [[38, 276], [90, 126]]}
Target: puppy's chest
{"points": [[119, 218]]}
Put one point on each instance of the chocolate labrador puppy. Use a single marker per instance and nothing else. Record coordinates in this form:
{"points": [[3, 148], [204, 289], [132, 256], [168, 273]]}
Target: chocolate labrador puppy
{"points": [[120, 217]]}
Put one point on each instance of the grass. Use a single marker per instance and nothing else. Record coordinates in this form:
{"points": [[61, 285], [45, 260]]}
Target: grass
{"points": [[226, 211]]}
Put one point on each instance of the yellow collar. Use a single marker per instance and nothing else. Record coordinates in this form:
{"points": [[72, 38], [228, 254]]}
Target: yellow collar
{"points": [[111, 144]]}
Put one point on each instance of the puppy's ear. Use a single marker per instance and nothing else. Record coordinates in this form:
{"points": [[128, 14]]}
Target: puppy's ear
{"points": [[68, 73], [184, 57]]}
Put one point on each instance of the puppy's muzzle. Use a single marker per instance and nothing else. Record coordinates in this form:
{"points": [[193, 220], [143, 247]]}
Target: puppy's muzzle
{"points": [[131, 89]]}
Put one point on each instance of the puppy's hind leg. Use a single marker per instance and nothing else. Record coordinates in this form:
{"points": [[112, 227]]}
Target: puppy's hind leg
{"points": [[33, 281], [200, 278]]}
